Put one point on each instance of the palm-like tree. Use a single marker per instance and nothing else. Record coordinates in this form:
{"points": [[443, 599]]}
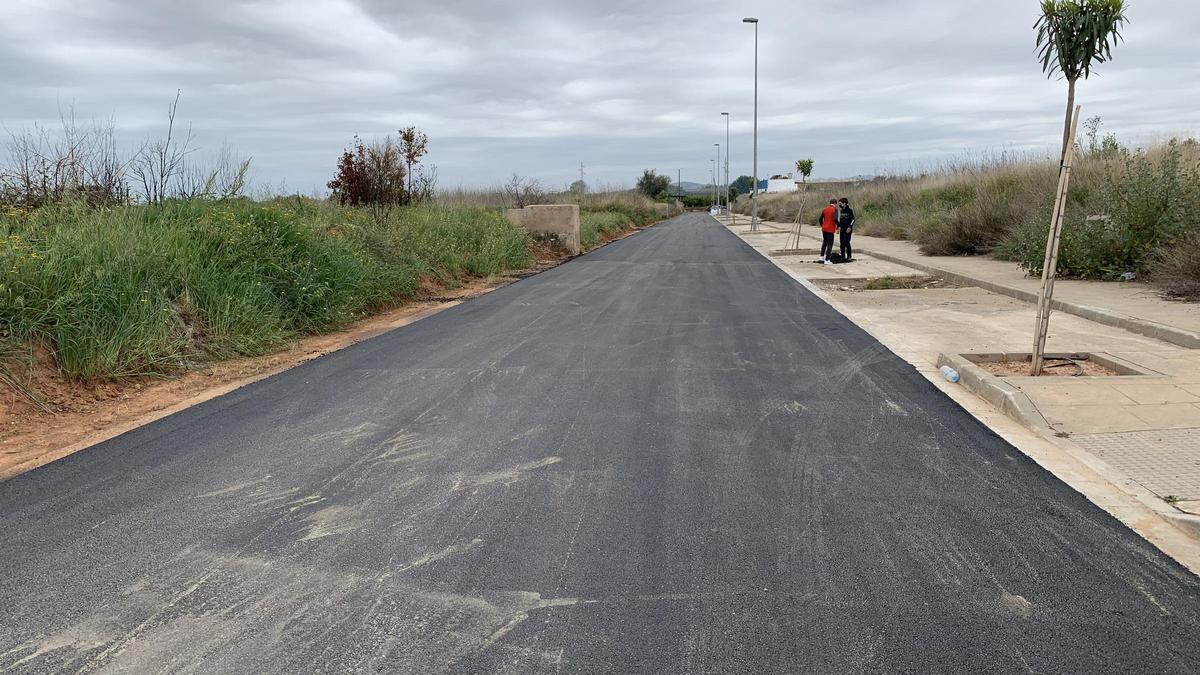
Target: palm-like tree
{"points": [[1072, 35]]}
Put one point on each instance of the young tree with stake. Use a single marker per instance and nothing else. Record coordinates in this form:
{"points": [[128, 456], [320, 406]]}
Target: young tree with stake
{"points": [[1071, 36]]}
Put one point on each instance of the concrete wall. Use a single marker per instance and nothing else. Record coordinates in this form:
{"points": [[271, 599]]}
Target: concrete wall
{"points": [[556, 225], [781, 185]]}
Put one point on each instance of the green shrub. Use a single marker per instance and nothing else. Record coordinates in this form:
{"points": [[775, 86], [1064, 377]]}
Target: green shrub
{"points": [[1152, 200], [1148, 203], [1083, 252]]}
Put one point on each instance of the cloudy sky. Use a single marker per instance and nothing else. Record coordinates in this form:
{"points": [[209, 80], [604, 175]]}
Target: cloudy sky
{"points": [[538, 86]]}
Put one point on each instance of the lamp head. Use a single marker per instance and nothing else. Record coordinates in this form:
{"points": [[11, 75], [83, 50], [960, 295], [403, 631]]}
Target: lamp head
{"points": [[749, 19]]}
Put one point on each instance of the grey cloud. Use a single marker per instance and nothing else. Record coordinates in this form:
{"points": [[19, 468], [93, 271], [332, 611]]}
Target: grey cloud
{"points": [[536, 86]]}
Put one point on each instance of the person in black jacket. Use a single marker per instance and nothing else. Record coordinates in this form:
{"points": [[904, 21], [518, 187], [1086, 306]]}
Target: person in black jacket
{"points": [[846, 227]]}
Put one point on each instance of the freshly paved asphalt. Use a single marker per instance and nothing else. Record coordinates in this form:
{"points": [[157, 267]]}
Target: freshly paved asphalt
{"points": [[664, 456]]}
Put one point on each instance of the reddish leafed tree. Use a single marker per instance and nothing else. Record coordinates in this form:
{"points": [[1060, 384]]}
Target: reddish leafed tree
{"points": [[371, 175], [349, 185]]}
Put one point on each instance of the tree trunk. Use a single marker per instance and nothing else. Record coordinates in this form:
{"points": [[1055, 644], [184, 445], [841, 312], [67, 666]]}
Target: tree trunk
{"points": [[1067, 125]]}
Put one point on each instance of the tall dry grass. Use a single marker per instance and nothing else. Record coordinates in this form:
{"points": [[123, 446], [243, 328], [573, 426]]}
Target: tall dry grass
{"points": [[601, 213], [1129, 211], [968, 211]]}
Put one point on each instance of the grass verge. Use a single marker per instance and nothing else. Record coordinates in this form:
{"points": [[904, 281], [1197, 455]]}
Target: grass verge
{"points": [[138, 290], [604, 217]]}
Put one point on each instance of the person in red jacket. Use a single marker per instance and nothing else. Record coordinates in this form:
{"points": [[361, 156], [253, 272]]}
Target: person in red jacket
{"points": [[829, 226]]}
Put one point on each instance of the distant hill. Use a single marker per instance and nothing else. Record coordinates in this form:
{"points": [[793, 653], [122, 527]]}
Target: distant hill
{"points": [[690, 188], [852, 179]]}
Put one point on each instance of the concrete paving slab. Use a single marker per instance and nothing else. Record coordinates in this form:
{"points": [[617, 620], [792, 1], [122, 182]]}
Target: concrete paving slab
{"points": [[1077, 419], [1182, 365], [978, 320], [1186, 373], [804, 260], [1168, 415], [1149, 359], [1158, 393], [863, 267], [1069, 392]]}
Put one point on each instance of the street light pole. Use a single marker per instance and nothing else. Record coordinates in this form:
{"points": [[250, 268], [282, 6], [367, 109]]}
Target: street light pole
{"points": [[714, 180], [729, 207], [754, 187], [717, 176]]}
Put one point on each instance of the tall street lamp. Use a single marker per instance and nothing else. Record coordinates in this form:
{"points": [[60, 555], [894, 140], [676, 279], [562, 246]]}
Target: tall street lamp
{"points": [[727, 204], [717, 175], [713, 177], [754, 186]]}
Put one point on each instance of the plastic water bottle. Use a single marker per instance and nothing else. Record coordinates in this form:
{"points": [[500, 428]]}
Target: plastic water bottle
{"points": [[950, 373]]}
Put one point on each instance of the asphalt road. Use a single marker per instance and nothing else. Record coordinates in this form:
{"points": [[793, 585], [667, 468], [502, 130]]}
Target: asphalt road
{"points": [[664, 456]]}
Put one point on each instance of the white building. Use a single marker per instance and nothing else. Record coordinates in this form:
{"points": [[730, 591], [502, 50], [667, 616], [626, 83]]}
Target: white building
{"points": [[781, 184]]}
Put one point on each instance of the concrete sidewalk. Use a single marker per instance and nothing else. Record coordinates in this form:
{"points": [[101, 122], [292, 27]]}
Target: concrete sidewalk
{"points": [[1133, 306], [1141, 432]]}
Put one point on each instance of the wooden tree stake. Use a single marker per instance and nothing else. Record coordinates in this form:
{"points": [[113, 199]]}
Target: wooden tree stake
{"points": [[1050, 263]]}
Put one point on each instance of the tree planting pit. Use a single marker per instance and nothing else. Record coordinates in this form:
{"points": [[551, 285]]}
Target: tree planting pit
{"points": [[1081, 364]]}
